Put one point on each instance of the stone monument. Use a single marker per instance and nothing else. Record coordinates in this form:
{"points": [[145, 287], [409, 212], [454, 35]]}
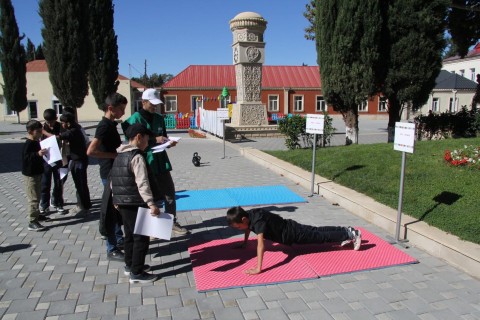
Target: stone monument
{"points": [[248, 57]]}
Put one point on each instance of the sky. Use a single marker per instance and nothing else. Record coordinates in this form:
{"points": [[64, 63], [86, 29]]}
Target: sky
{"points": [[173, 34]]}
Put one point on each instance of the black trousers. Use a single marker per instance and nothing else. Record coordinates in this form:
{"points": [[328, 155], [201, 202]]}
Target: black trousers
{"points": [[167, 192], [135, 245], [78, 168], [303, 234]]}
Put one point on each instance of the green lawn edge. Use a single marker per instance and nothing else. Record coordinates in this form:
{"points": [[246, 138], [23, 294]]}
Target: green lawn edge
{"points": [[435, 192]]}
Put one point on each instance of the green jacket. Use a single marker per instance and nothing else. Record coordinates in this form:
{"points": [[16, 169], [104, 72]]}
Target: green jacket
{"points": [[159, 161]]}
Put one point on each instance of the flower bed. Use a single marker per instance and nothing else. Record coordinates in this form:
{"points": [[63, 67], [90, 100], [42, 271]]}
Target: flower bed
{"points": [[468, 156]]}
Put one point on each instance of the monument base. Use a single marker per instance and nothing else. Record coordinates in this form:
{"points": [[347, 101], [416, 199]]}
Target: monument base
{"points": [[249, 114], [246, 132]]}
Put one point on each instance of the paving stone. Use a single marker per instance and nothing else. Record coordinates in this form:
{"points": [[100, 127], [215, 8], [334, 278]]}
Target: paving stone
{"points": [[251, 304], [185, 313], [228, 313], [61, 307], [272, 314]]}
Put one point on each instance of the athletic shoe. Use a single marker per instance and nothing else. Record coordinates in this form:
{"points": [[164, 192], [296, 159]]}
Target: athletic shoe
{"points": [[60, 210], [116, 255], [44, 210], [126, 270], [36, 226], [356, 238], [143, 277], [178, 229], [357, 241]]}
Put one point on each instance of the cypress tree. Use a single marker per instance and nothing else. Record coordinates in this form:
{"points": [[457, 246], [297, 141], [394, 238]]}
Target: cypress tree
{"points": [[103, 72], [39, 53], [348, 39], [416, 40], [30, 51], [12, 59], [66, 48]]}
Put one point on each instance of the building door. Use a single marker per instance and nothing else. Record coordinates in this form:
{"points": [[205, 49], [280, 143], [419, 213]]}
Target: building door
{"points": [[32, 109]]}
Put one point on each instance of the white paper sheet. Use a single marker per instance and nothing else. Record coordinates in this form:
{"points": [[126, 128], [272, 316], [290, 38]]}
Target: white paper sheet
{"points": [[158, 227], [162, 147], [54, 153]]}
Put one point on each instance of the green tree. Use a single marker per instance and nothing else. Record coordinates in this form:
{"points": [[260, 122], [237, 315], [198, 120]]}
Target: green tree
{"points": [[464, 24], [39, 53], [416, 41], [103, 71], [66, 48], [155, 80], [30, 51], [348, 37], [12, 59]]}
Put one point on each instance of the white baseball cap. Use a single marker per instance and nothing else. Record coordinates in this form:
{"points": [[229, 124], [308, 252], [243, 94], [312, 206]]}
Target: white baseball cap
{"points": [[150, 95]]}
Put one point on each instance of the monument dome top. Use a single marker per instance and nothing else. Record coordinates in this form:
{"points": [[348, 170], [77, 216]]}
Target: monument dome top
{"points": [[248, 20]]}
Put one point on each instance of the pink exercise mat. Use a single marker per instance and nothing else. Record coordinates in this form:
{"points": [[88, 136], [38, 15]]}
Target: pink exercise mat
{"points": [[218, 265]]}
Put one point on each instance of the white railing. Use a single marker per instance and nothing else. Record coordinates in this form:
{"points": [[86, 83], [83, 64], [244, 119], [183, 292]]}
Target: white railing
{"points": [[210, 123]]}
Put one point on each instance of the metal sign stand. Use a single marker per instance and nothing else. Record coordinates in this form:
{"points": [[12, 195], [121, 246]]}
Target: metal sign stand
{"points": [[314, 124], [313, 164], [400, 199], [223, 122], [405, 142]]}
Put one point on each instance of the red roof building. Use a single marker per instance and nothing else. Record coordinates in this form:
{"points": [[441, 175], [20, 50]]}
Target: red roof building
{"points": [[285, 89]]}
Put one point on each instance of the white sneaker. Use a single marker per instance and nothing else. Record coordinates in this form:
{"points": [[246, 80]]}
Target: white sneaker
{"points": [[178, 229]]}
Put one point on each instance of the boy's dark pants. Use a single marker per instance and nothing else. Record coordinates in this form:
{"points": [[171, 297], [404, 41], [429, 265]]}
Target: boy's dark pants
{"points": [[50, 172], [135, 245], [303, 234], [167, 191], [78, 168]]}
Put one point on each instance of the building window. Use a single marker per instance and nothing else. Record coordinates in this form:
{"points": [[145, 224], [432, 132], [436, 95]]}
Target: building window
{"points": [[298, 103], [462, 72], [57, 106], [435, 105], [197, 102], [363, 107], [32, 109], [170, 103], [452, 105], [473, 75], [321, 105], [382, 104], [273, 103]]}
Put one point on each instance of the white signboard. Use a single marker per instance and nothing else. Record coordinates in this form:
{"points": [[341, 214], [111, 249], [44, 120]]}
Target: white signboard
{"points": [[222, 114], [315, 123], [404, 137]]}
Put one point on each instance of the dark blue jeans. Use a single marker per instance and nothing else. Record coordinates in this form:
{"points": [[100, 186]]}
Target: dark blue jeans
{"points": [[112, 226], [51, 173]]}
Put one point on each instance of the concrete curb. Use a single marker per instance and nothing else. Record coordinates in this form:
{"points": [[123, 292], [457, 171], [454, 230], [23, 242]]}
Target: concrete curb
{"points": [[461, 254]]}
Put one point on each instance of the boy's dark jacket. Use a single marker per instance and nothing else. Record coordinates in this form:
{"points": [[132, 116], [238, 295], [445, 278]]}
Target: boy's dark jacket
{"points": [[32, 163]]}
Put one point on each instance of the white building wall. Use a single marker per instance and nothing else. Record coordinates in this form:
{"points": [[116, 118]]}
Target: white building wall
{"points": [[467, 67], [40, 90], [462, 98]]}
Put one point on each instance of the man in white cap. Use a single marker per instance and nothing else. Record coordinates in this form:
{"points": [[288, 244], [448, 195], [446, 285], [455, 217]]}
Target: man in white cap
{"points": [[158, 162]]}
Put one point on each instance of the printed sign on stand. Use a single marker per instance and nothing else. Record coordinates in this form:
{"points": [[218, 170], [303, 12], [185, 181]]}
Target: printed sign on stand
{"points": [[222, 114], [315, 123], [404, 137]]}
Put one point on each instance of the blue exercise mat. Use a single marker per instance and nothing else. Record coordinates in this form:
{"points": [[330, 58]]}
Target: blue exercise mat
{"points": [[192, 200]]}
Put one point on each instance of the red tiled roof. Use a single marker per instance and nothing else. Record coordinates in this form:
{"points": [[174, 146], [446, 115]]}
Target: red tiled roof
{"points": [[41, 66], [219, 76], [37, 66]]}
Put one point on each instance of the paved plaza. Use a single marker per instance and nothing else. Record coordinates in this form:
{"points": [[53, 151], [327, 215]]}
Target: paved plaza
{"points": [[64, 273]]}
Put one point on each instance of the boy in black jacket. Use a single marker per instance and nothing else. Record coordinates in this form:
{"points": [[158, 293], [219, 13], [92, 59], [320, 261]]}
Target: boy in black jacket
{"points": [[271, 226], [78, 161], [32, 170]]}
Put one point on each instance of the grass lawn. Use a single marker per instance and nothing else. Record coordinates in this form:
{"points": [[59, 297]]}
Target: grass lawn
{"points": [[443, 196]]}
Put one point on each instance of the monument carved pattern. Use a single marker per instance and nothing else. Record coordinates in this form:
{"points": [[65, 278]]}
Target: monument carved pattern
{"points": [[252, 114]]}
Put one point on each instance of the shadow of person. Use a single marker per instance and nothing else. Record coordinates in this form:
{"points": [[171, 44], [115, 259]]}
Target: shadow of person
{"points": [[14, 247]]}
